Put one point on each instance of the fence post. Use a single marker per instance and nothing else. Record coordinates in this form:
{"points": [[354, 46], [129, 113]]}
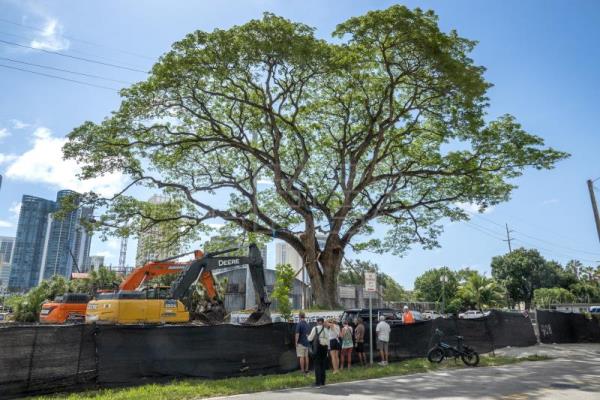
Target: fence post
{"points": [[35, 334], [79, 356], [489, 331]]}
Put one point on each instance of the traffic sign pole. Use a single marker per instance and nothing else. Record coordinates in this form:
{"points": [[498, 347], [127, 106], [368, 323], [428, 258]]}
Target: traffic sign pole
{"points": [[370, 287]]}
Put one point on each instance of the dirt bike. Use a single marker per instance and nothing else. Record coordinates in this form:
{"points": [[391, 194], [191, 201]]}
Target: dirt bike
{"points": [[443, 350]]}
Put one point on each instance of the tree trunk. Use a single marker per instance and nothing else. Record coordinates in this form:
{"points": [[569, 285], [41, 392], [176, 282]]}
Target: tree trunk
{"points": [[323, 269]]}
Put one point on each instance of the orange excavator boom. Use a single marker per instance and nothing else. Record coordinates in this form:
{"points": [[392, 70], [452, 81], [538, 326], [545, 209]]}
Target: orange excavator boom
{"points": [[157, 268]]}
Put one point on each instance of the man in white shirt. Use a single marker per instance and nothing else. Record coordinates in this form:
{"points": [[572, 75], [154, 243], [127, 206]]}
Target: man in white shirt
{"points": [[383, 338]]}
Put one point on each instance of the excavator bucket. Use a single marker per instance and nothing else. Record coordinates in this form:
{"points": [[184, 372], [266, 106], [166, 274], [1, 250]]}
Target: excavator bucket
{"points": [[259, 318], [212, 316]]}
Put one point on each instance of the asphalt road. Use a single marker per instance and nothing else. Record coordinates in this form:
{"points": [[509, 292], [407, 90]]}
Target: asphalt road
{"points": [[574, 375]]}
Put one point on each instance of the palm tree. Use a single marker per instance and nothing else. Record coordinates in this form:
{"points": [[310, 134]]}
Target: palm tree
{"points": [[481, 291]]}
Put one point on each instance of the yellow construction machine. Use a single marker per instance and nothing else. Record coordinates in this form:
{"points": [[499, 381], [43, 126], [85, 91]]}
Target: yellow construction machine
{"points": [[135, 304]]}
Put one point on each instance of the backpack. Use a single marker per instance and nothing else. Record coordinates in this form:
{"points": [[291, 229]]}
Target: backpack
{"points": [[314, 345]]}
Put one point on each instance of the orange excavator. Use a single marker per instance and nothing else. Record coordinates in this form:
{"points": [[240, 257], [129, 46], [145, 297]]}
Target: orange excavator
{"points": [[163, 304]]}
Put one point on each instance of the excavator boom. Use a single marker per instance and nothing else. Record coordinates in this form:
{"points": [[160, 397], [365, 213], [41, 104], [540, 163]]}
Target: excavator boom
{"points": [[156, 268], [202, 269]]}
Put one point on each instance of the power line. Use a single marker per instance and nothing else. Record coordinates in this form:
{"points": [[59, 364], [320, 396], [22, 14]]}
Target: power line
{"points": [[71, 50], [65, 70], [59, 77], [542, 240], [497, 236], [6, 21], [74, 57], [483, 231]]}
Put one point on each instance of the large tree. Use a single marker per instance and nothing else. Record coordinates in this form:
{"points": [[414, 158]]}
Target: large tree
{"points": [[382, 129], [523, 271]]}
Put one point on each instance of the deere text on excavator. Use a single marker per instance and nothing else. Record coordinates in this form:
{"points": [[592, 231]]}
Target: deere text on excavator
{"points": [[134, 304]]}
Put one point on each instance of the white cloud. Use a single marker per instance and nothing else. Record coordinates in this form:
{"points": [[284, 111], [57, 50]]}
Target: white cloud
{"points": [[5, 224], [50, 37], [6, 158], [114, 244], [44, 163], [4, 133], [19, 124], [473, 208], [42, 133], [15, 209]]}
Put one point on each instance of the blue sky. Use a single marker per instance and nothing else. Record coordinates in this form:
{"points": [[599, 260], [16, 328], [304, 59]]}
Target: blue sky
{"points": [[541, 56]]}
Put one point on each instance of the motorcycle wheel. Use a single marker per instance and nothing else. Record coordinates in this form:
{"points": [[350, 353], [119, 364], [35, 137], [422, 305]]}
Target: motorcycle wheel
{"points": [[435, 355], [470, 358]]}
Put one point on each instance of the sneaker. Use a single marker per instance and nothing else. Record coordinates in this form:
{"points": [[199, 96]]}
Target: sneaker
{"points": [[382, 363]]}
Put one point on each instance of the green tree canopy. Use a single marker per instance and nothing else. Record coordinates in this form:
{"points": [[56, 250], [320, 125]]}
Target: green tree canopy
{"points": [[544, 297], [284, 284], [386, 124], [428, 286], [523, 271], [481, 292]]}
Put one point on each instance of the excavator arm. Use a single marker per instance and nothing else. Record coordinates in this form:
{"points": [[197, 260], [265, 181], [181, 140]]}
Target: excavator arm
{"points": [[201, 269], [156, 268]]}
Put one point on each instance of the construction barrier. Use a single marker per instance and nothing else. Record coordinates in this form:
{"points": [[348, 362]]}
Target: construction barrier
{"points": [[43, 359], [561, 327], [46, 358]]}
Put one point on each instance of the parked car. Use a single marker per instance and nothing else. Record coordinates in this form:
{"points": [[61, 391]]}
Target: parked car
{"points": [[429, 314], [470, 314], [595, 310], [389, 313], [392, 316]]}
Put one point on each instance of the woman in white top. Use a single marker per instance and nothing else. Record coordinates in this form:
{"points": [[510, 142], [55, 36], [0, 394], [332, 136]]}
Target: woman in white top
{"points": [[334, 344]]}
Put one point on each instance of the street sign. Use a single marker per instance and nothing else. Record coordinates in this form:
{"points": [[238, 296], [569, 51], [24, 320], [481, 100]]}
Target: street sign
{"points": [[370, 281]]}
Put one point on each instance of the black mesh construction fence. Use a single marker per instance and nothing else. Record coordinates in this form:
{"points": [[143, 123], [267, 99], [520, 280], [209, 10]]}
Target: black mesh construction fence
{"points": [[53, 358], [127, 353], [499, 329], [560, 327], [45, 358]]}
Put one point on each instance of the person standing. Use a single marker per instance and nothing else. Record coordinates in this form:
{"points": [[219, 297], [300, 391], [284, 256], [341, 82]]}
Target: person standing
{"points": [[334, 344], [321, 334], [407, 317], [347, 345], [302, 330], [359, 341], [383, 338]]}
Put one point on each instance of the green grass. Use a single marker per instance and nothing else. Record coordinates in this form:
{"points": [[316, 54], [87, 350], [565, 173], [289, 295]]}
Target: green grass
{"points": [[197, 388]]}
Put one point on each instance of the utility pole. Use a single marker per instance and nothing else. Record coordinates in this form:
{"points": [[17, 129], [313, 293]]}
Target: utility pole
{"points": [[508, 238], [590, 184]]}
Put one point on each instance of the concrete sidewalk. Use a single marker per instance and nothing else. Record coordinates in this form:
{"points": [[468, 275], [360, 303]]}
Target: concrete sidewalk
{"points": [[573, 375]]}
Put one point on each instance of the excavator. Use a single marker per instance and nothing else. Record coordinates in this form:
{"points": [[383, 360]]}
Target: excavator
{"points": [[134, 304]]}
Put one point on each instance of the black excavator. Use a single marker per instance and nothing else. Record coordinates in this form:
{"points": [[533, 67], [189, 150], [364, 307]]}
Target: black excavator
{"points": [[201, 270]]}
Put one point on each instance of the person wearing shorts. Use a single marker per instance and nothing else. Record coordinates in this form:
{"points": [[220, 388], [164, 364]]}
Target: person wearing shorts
{"points": [[359, 341], [383, 338], [302, 331], [334, 344], [347, 345]]}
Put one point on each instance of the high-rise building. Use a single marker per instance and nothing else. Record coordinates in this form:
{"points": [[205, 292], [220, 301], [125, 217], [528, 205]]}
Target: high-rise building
{"points": [[67, 243], [286, 254], [95, 262], [29, 243], [151, 246], [6, 254], [47, 245]]}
